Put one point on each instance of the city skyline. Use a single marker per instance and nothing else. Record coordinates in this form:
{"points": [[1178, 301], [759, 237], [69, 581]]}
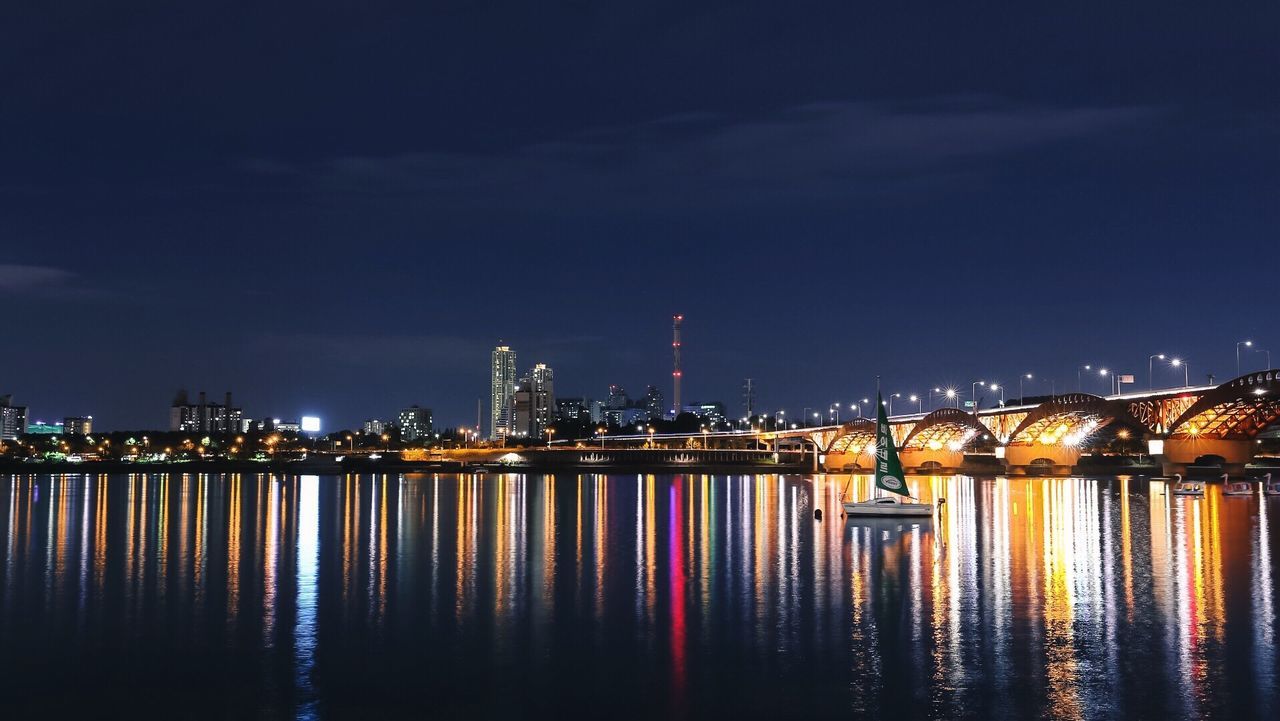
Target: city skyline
{"points": [[1156, 370], [826, 196]]}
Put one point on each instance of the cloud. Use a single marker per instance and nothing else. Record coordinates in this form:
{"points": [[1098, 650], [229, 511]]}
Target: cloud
{"points": [[804, 153], [32, 279], [375, 351]]}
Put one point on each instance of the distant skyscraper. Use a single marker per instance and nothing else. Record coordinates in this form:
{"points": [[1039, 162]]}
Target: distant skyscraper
{"points": [[614, 407], [13, 419], [502, 388], [654, 404], [77, 425], [203, 416], [415, 423], [535, 402], [374, 427]]}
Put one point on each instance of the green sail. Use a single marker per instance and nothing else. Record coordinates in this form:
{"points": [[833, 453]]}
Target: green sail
{"points": [[889, 474]]}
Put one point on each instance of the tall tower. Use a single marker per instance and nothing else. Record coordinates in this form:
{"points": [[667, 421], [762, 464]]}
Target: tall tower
{"points": [[502, 388], [749, 397], [676, 373]]}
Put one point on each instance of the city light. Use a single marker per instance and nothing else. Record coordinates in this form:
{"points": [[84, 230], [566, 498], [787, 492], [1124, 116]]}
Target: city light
{"points": [[310, 424]]}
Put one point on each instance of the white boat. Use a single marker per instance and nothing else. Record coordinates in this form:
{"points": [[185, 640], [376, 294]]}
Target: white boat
{"points": [[888, 478], [886, 506], [1238, 489], [1188, 488], [1269, 488]]}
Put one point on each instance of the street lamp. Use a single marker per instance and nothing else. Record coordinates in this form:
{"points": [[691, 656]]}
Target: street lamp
{"points": [[1268, 357], [1000, 388], [1079, 382], [891, 397], [600, 432], [1246, 344], [1178, 362], [1021, 397], [550, 432], [916, 399], [952, 396], [973, 394], [817, 418], [1150, 360], [776, 420], [835, 413]]}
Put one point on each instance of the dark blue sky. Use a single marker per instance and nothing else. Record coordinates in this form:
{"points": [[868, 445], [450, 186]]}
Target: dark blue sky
{"points": [[340, 207]]}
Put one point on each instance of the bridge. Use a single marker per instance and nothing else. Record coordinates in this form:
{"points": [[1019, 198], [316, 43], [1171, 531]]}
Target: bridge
{"points": [[1206, 425]]}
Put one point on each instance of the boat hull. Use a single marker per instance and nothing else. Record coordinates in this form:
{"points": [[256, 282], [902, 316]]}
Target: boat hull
{"points": [[894, 510]]}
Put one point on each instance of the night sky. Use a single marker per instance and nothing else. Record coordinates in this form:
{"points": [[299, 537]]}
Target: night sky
{"points": [[339, 208]]}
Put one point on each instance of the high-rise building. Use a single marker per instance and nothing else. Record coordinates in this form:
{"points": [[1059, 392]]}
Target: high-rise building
{"points": [[375, 427], [203, 416], [77, 425], [573, 409], [13, 419], [535, 402], [712, 413], [502, 388], [654, 404], [415, 423], [613, 407]]}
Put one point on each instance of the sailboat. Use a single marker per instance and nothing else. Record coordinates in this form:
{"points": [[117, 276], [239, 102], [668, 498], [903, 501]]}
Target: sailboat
{"points": [[889, 477]]}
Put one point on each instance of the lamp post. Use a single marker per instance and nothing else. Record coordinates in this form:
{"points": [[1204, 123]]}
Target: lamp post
{"points": [[916, 399], [1000, 388], [1079, 381], [1150, 360], [835, 413], [600, 432], [1178, 362], [550, 432], [891, 397], [953, 396], [973, 394], [776, 421], [1021, 396], [1268, 357], [1246, 344]]}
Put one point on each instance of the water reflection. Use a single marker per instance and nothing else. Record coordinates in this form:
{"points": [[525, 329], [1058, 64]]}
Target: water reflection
{"points": [[661, 595]]}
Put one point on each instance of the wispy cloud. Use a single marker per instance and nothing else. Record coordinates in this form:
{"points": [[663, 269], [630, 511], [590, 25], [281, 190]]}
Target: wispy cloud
{"points": [[807, 152], [33, 279], [375, 351]]}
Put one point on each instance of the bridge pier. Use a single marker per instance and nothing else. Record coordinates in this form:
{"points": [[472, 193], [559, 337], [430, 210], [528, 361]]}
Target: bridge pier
{"points": [[928, 460], [1039, 459], [1231, 455]]}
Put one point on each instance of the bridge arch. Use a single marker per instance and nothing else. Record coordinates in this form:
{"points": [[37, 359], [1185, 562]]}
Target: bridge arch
{"points": [[1237, 410], [852, 437], [945, 429], [1068, 420]]}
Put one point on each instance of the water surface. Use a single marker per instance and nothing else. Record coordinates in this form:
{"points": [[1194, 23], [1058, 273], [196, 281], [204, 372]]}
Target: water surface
{"points": [[625, 596]]}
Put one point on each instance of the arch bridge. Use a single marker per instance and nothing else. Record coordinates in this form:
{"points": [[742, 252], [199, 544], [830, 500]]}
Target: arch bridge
{"points": [[1182, 427]]}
